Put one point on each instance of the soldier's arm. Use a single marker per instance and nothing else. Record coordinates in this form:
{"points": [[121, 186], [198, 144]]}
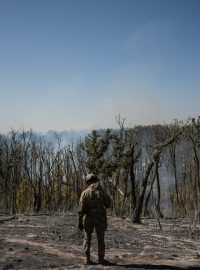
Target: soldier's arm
{"points": [[81, 208]]}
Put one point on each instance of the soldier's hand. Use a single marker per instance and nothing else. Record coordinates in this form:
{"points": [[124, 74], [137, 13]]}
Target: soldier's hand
{"points": [[80, 226]]}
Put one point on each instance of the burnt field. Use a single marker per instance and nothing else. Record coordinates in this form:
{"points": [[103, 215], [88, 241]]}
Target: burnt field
{"points": [[54, 242]]}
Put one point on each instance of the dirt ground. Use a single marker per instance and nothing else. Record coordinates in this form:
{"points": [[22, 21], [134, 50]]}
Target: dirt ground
{"points": [[54, 242]]}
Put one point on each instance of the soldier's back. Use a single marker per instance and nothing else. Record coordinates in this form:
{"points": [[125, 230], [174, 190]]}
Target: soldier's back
{"points": [[95, 201]]}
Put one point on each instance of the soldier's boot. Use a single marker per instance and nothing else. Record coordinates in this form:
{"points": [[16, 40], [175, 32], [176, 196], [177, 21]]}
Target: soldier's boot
{"points": [[102, 261], [87, 261]]}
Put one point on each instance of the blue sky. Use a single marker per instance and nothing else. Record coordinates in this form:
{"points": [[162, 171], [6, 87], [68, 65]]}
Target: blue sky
{"points": [[76, 64]]}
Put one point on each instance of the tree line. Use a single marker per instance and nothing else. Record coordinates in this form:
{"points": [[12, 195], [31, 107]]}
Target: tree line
{"points": [[145, 169]]}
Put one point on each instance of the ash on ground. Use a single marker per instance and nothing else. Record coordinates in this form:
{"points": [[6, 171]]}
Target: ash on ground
{"points": [[54, 242]]}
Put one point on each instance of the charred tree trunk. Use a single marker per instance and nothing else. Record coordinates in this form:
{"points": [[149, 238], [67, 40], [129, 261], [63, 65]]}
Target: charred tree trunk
{"points": [[148, 196], [132, 178], [158, 211], [138, 209], [37, 202], [196, 159], [38, 197], [175, 175]]}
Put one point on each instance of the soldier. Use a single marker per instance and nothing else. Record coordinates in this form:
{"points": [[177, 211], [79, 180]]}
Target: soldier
{"points": [[92, 214]]}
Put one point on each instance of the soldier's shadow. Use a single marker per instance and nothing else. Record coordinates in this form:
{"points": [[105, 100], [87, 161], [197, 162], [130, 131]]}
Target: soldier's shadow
{"points": [[154, 267]]}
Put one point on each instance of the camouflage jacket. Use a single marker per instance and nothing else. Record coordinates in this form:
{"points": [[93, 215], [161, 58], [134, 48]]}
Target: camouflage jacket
{"points": [[93, 203]]}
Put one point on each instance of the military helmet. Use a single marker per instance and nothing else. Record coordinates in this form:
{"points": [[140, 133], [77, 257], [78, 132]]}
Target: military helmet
{"points": [[90, 177]]}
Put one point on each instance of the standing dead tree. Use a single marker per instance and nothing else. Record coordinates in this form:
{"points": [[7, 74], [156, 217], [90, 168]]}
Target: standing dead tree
{"points": [[136, 218]]}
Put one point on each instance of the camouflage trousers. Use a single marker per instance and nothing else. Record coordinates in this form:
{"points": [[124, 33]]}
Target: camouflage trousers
{"points": [[100, 231]]}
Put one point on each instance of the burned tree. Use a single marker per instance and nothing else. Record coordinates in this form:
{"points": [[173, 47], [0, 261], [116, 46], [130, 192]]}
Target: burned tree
{"points": [[152, 161]]}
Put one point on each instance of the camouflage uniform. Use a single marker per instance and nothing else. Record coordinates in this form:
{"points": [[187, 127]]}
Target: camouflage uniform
{"points": [[92, 214]]}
